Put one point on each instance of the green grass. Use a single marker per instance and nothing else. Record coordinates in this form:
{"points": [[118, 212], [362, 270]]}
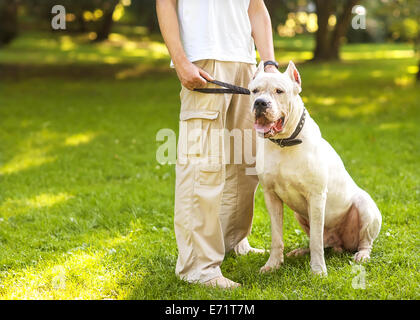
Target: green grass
{"points": [[86, 212]]}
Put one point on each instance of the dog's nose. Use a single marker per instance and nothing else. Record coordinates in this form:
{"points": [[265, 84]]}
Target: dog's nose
{"points": [[260, 106]]}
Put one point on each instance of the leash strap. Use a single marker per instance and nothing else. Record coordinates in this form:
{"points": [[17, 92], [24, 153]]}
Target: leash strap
{"points": [[292, 141], [230, 88]]}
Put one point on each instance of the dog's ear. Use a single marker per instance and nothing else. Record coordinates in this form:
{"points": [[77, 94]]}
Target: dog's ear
{"points": [[293, 73], [259, 70]]}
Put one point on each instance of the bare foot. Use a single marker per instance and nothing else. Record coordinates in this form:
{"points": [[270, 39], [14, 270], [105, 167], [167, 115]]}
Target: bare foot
{"points": [[222, 283]]}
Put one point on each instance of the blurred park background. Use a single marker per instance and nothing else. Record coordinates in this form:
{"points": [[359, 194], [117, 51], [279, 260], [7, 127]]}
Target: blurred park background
{"points": [[86, 212]]}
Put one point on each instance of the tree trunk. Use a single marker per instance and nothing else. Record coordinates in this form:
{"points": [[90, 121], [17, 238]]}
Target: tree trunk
{"points": [[328, 43], [81, 22], [107, 21], [343, 22], [324, 8], [8, 21], [152, 24]]}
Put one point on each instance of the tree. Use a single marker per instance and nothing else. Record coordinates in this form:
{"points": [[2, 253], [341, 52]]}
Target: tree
{"points": [[328, 38], [278, 10], [8, 21], [328, 41], [88, 15], [145, 14], [107, 20], [402, 19]]}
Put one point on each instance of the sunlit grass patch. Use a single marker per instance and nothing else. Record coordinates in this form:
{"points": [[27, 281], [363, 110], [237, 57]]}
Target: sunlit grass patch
{"points": [[376, 54], [50, 50], [12, 207], [27, 160], [38, 148], [396, 125], [81, 275], [80, 138]]}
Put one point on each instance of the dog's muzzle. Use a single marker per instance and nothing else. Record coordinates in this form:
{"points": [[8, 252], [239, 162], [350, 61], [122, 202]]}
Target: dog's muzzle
{"points": [[260, 107], [263, 124]]}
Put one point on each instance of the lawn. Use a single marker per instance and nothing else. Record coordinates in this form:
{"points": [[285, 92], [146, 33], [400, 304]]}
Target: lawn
{"points": [[86, 212]]}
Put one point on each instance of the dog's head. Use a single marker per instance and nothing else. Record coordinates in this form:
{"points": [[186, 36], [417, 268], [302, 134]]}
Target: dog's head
{"points": [[272, 95]]}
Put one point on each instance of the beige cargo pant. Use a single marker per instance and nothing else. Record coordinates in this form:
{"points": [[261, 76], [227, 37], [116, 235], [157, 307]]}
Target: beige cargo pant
{"points": [[214, 192]]}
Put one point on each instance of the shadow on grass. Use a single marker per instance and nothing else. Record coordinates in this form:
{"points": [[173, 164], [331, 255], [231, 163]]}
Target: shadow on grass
{"points": [[18, 72]]}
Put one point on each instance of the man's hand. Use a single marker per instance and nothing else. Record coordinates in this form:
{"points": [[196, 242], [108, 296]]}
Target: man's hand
{"points": [[271, 69], [188, 73], [191, 76]]}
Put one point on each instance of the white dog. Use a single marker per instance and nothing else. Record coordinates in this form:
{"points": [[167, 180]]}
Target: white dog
{"points": [[296, 166]]}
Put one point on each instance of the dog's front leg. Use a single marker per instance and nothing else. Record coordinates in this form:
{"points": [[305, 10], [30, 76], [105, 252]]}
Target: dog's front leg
{"points": [[275, 208], [316, 233]]}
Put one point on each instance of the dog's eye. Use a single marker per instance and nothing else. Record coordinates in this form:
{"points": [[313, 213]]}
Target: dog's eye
{"points": [[255, 91], [279, 91]]}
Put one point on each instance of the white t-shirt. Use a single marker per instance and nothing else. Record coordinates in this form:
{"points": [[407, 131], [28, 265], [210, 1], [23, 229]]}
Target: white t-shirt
{"points": [[216, 29]]}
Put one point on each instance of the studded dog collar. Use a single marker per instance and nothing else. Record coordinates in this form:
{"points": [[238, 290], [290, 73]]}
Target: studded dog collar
{"points": [[292, 141]]}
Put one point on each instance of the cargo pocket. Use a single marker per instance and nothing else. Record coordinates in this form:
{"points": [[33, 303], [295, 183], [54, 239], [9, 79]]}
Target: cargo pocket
{"points": [[210, 174], [198, 114], [194, 131]]}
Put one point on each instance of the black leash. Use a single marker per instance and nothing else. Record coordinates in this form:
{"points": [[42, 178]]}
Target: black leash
{"points": [[230, 88], [292, 141]]}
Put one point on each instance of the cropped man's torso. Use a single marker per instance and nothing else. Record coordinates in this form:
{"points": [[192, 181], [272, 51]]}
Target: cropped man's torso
{"points": [[216, 29]]}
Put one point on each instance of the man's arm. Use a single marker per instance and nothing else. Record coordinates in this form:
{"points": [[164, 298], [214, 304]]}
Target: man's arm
{"points": [[262, 32], [188, 73]]}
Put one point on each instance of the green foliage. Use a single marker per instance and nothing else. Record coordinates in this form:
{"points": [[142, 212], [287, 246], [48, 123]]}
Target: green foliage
{"points": [[86, 212], [400, 18], [406, 29]]}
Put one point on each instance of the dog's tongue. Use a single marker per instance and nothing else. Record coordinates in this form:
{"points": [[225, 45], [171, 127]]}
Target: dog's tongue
{"points": [[278, 126], [262, 127]]}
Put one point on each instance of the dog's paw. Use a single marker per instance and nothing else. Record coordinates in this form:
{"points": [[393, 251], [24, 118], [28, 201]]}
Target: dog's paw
{"points": [[267, 269], [362, 256], [243, 248], [319, 270], [298, 252], [270, 266]]}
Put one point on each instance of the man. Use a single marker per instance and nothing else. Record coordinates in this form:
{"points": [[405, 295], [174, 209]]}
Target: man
{"points": [[214, 200]]}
